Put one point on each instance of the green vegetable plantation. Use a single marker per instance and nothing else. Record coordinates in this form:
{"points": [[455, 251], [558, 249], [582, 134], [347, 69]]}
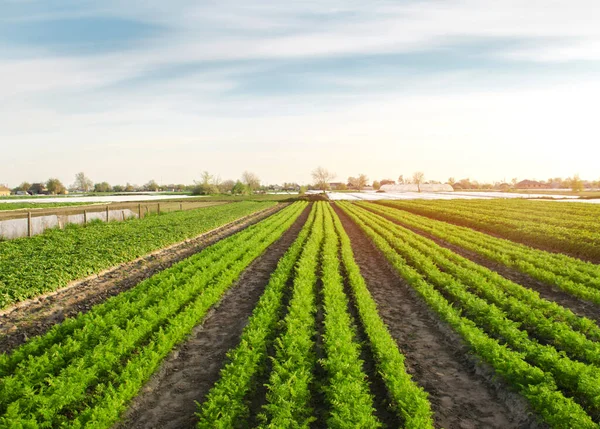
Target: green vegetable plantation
{"points": [[388, 314]]}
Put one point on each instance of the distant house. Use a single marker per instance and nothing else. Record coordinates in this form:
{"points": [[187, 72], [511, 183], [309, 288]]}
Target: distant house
{"points": [[530, 184], [38, 189], [4, 191]]}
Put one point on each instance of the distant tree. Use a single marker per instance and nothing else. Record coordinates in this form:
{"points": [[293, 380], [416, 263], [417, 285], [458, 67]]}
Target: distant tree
{"points": [[353, 182], [102, 187], [451, 181], [55, 187], [576, 184], [322, 177], [226, 186], [303, 189], [118, 188], [238, 188], [387, 182], [514, 181], [376, 185], [418, 178], [401, 180], [251, 181], [130, 188], [206, 185], [24, 187], [362, 181], [151, 186], [83, 183]]}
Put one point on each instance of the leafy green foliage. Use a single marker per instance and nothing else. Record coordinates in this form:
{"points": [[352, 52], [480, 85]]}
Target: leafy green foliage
{"points": [[226, 402], [347, 391], [564, 391], [551, 225], [409, 401], [46, 262], [85, 370], [579, 278], [289, 387]]}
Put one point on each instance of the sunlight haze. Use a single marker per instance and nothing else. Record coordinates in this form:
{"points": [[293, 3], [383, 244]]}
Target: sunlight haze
{"points": [[133, 91]]}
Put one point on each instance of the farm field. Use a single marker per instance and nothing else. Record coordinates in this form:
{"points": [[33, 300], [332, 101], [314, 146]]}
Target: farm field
{"points": [[572, 229], [412, 314]]}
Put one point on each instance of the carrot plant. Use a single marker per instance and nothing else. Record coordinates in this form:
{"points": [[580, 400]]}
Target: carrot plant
{"points": [[408, 400], [46, 262], [535, 370], [227, 401], [289, 387], [92, 382]]}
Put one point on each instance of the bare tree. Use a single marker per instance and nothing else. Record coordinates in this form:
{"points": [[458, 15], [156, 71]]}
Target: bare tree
{"points": [[83, 183], [322, 177], [226, 186], [363, 180], [353, 182], [575, 183], [418, 178], [251, 181], [401, 180]]}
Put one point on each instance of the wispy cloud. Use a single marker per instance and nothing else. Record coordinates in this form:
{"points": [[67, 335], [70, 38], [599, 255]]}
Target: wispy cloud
{"points": [[220, 77]]}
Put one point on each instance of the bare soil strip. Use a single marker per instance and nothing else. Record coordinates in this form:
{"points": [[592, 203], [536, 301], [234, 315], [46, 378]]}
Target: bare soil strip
{"points": [[36, 316], [169, 399], [546, 291], [462, 390]]}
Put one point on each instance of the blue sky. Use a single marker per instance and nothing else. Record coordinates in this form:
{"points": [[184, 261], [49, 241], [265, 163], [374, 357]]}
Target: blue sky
{"points": [[140, 90]]}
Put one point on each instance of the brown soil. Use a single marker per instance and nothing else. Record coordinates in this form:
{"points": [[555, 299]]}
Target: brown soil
{"points": [[168, 400], [546, 291], [38, 315], [463, 391]]}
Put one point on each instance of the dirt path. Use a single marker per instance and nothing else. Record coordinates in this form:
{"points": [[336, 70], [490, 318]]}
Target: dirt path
{"points": [[38, 315], [546, 291], [463, 392], [168, 399]]}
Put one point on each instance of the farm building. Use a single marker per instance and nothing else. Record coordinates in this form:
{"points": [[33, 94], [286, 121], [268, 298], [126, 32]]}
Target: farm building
{"points": [[38, 189], [415, 188], [4, 191], [530, 184]]}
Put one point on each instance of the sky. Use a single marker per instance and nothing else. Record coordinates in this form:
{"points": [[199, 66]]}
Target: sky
{"points": [[139, 90]]}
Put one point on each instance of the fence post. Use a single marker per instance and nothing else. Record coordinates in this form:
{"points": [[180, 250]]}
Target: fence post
{"points": [[180, 206], [107, 214], [29, 225], [158, 208], [139, 211], [85, 217]]}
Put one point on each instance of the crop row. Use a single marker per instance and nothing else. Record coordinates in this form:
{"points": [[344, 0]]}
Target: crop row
{"points": [[567, 238], [579, 278], [46, 262], [547, 209], [293, 380], [562, 386], [85, 370]]}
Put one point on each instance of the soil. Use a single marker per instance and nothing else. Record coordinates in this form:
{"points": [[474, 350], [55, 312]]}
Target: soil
{"points": [[551, 293], [36, 316], [168, 400], [463, 391]]}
